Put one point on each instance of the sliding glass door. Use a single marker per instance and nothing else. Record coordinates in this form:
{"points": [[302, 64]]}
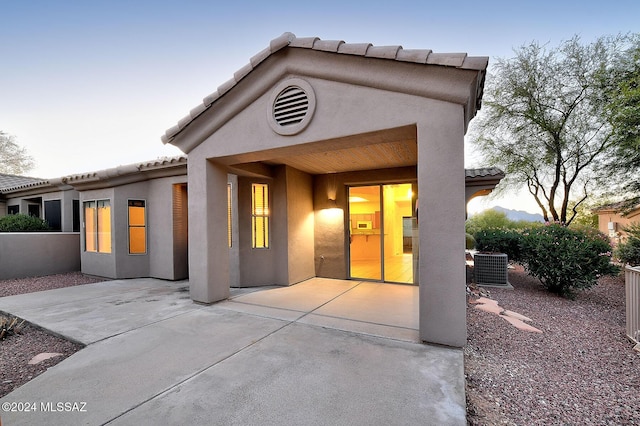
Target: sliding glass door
{"points": [[381, 227]]}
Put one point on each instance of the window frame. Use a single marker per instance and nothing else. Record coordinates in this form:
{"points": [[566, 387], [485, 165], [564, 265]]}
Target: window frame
{"points": [[143, 226], [96, 226], [264, 216]]}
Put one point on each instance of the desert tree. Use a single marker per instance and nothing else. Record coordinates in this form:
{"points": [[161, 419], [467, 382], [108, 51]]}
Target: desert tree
{"points": [[14, 159], [623, 96], [545, 121]]}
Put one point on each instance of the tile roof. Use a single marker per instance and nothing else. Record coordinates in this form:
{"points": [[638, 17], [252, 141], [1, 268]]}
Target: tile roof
{"points": [[623, 207], [493, 172], [13, 182], [368, 50], [127, 169]]}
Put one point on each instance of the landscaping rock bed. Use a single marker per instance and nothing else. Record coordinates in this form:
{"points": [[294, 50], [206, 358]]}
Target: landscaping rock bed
{"points": [[17, 350], [581, 370]]}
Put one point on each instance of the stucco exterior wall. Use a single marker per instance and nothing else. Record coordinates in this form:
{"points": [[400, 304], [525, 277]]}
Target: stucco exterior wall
{"points": [[300, 226], [441, 226], [32, 254], [130, 265], [258, 266], [342, 110], [616, 235], [164, 260], [159, 261], [208, 239]]}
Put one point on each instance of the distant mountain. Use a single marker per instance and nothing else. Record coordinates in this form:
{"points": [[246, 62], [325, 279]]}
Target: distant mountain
{"points": [[519, 214]]}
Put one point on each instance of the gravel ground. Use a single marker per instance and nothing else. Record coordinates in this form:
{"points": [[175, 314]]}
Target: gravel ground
{"points": [[581, 371], [17, 350]]}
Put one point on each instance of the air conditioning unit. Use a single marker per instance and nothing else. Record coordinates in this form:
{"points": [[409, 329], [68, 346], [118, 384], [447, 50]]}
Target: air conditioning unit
{"points": [[490, 269]]}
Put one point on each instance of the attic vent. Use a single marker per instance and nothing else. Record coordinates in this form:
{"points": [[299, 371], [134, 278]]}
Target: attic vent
{"points": [[292, 105]]}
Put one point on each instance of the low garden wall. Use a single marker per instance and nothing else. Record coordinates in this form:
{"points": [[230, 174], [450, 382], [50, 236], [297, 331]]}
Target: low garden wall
{"points": [[30, 254], [632, 290]]}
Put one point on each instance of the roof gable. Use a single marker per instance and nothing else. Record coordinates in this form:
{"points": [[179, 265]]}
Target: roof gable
{"points": [[457, 61]]}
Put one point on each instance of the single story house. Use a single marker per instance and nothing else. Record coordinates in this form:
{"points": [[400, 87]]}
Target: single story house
{"points": [[317, 159], [614, 217]]}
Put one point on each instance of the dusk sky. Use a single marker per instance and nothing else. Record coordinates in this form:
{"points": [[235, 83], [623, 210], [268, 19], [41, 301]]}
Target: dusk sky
{"points": [[88, 85]]}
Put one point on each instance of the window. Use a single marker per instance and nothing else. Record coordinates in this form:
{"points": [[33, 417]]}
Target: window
{"points": [[260, 215], [34, 210], [76, 215], [13, 210], [53, 214], [137, 227], [97, 226]]}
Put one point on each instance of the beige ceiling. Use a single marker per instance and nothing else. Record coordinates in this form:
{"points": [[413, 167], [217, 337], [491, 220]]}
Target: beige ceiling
{"points": [[377, 150]]}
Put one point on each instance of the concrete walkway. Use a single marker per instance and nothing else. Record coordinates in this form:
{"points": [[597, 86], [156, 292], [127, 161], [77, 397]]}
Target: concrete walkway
{"points": [[320, 352]]}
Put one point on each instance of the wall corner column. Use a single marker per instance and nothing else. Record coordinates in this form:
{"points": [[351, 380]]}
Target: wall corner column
{"points": [[441, 219], [209, 277]]}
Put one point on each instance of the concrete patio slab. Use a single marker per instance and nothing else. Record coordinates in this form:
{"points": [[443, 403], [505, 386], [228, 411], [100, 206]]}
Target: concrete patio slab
{"points": [[84, 292], [305, 354], [116, 306], [377, 303], [303, 297], [120, 373], [384, 310], [305, 375]]}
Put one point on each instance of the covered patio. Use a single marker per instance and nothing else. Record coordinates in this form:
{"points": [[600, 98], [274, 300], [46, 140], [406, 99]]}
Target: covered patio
{"points": [[287, 140]]}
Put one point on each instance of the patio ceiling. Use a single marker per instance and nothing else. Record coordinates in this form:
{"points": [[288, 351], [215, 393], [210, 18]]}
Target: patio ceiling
{"points": [[377, 150]]}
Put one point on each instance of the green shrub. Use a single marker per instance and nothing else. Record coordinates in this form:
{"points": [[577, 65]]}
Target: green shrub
{"points": [[22, 223], [508, 241], [629, 251], [470, 242], [566, 259]]}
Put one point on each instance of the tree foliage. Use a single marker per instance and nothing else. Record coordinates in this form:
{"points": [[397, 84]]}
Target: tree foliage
{"points": [[13, 159], [492, 219], [546, 122], [623, 95]]}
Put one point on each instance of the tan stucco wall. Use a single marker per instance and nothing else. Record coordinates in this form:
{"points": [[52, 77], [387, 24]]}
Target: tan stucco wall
{"points": [[441, 227], [33, 254], [300, 226], [259, 266], [209, 266], [160, 259], [618, 235], [164, 261]]}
